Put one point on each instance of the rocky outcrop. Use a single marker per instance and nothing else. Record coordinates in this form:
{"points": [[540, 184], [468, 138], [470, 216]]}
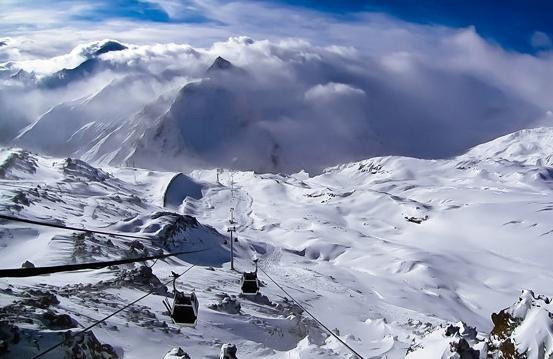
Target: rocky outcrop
{"points": [[228, 351], [80, 170], [86, 345], [522, 331]]}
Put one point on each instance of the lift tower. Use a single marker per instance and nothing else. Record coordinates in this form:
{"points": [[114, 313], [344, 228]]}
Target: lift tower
{"points": [[231, 228]]}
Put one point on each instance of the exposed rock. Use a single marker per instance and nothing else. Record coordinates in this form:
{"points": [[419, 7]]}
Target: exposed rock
{"points": [[17, 161], [220, 64], [86, 345], [228, 351], [136, 244], [417, 220], [453, 341], [259, 299], [27, 264], [227, 304], [83, 171], [57, 321], [523, 330], [40, 299], [141, 277], [9, 335]]}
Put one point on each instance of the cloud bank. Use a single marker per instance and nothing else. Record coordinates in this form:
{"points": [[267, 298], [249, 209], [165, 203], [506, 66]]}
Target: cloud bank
{"points": [[340, 91]]}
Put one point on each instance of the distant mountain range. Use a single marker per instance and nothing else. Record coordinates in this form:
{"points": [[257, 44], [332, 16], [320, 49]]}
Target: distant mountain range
{"points": [[228, 116]]}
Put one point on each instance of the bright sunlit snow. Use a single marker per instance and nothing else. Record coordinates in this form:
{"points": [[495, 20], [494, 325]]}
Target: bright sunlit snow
{"points": [[185, 179], [384, 250]]}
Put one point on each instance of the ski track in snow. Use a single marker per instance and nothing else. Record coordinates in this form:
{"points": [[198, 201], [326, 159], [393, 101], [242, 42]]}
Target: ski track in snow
{"points": [[345, 243]]}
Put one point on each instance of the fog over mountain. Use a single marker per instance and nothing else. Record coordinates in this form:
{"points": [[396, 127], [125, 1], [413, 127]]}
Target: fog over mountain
{"points": [[276, 179], [261, 105]]}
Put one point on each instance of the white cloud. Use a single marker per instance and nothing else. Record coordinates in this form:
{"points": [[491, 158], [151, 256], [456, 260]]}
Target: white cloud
{"points": [[411, 89], [331, 90]]}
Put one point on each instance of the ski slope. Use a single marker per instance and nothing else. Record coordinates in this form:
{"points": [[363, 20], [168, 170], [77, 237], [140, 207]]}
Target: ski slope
{"points": [[384, 251]]}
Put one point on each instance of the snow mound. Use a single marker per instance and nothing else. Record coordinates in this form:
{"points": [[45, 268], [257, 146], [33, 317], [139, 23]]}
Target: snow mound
{"points": [[176, 353], [180, 187]]}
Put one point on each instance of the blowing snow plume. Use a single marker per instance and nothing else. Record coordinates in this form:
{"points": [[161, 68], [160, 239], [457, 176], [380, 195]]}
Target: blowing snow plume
{"points": [[257, 105]]}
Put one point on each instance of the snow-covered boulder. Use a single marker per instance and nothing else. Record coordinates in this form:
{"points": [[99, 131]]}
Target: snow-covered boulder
{"points": [[176, 353], [453, 341], [228, 304], [228, 351]]}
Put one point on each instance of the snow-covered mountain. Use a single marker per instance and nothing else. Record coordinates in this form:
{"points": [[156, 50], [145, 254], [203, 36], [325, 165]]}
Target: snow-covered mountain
{"points": [[271, 109], [389, 252], [82, 125], [91, 65]]}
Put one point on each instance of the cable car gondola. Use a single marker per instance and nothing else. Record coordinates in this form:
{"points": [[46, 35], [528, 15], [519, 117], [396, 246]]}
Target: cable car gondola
{"points": [[184, 310], [249, 284]]}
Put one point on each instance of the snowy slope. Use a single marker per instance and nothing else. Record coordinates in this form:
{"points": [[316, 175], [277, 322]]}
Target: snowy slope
{"points": [[95, 126], [530, 146], [385, 250]]}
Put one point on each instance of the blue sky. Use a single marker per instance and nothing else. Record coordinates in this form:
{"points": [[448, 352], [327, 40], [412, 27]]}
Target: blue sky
{"points": [[140, 11], [523, 26], [511, 23], [515, 25]]}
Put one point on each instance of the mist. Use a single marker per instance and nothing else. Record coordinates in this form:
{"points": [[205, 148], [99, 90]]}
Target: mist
{"points": [[283, 106]]}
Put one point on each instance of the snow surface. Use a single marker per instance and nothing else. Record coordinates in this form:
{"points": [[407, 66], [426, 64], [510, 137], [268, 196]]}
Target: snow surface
{"points": [[384, 250]]}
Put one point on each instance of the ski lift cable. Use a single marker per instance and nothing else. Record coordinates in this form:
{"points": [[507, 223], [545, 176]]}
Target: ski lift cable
{"points": [[49, 188], [109, 316], [153, 264], [36, 271], [54, 225], [312, 316]]}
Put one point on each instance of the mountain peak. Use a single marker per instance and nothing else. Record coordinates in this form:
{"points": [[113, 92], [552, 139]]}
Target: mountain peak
{"points": [[109, 46], [220, 64]]}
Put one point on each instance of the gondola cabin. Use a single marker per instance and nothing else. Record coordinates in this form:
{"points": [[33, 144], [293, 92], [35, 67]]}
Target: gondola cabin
{"points": [[184, 310], [249, 284]]}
